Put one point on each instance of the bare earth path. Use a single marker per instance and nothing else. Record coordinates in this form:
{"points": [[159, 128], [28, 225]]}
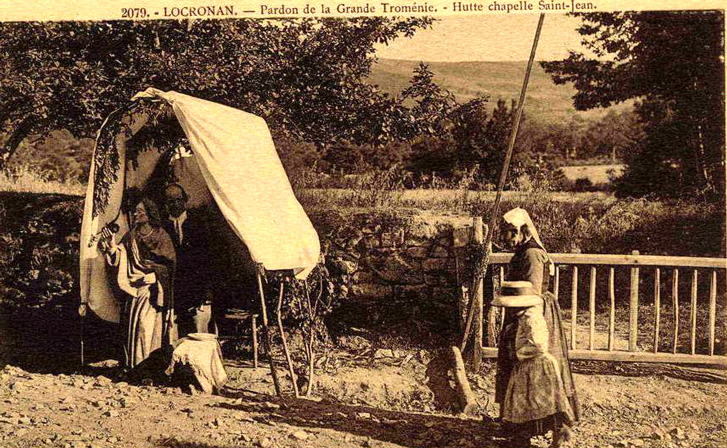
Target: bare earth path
{"points": [[384, 402]]}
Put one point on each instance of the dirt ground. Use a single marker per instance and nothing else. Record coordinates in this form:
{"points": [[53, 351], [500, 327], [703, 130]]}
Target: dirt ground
{"points": [[387, 398]]}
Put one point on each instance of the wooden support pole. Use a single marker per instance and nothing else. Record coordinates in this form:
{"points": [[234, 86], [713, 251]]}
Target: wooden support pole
{"points": [[612, 310], [82, 311], [479, 329], [712, 311], [634, 308], [266, 335], [693, 310], [657, 308], [675, 306], [254, 341], [472, 351], [467, 399], [592, 310], [556, 285], [293, 378], [574, 309], [502, 308]]}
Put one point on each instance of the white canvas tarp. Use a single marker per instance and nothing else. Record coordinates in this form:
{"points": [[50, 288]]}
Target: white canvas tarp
{"points": [[239, 163]]}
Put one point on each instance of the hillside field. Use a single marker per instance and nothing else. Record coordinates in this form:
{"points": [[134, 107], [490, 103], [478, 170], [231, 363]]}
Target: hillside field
{"points": [[545, 100]]}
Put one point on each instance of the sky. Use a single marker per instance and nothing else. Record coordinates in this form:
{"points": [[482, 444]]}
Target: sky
{"points": [[487, 38]]}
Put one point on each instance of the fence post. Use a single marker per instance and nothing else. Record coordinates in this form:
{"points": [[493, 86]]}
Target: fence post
{"points": [[695, 281], [502, 309], [574, 308], [657, 308], [556, 286], [592, 310], [712, 311], [675, 306], [634, 308], [612, 310]]}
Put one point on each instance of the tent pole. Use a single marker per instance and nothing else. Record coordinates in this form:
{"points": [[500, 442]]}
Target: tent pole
{"points": [[285, 343], [82, 313], [266, 332]]}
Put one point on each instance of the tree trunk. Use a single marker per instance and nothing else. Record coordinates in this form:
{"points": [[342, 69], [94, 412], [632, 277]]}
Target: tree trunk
{"points": [[703, 178], [11, 145], [702, 172]]}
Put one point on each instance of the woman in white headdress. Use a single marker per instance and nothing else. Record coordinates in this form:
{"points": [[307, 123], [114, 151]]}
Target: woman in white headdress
{"points": [[531, 263]]}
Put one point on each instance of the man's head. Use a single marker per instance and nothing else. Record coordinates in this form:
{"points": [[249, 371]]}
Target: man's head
{"points": [[175, 200]]}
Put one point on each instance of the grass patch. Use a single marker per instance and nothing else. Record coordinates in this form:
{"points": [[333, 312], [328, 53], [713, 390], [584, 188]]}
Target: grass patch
{"points": [[26, 180]]}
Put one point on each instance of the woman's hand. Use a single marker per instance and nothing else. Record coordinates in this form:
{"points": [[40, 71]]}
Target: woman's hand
{"points": [[150, 278], [108, 241]]}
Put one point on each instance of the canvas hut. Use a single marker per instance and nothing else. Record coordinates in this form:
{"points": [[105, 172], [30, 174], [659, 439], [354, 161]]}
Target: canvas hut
{"points": [[226, 161]]}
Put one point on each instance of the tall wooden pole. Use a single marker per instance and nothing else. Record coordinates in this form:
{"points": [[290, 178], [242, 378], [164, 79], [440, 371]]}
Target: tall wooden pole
{"points": [[480, 270], [503, 178]]}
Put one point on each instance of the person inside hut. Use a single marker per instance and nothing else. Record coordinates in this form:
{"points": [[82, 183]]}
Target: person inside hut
{"points": [[535, 408], [189, 230], [145, 258]]}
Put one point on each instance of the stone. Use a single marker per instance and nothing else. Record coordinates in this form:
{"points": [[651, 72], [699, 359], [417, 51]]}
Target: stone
{"points": [[417, 291], [265, 442], [395, 269], [432, 279], [436, 264], [383, 353], [371, 290], [678, 433], [443, 294], [417, 252], [372, 242], [440, 252], [339, 266], [300, 435], [103, 381], [389, 239], [363, 277]]}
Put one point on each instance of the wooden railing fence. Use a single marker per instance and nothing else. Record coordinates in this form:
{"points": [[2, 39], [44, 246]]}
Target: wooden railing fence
{"points": [[714, 268]]}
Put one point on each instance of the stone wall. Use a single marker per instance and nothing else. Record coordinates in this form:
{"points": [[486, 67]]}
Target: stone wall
{"points": [[393, 269]]}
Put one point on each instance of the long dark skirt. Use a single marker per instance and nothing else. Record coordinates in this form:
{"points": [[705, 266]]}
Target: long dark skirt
{"points": [[557, 347]]}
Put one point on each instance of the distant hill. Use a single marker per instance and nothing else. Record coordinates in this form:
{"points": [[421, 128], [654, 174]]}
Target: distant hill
{"points": [[466, 80]]}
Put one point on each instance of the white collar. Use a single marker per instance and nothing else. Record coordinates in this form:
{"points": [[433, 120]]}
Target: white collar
{"points": [[180, 219]]}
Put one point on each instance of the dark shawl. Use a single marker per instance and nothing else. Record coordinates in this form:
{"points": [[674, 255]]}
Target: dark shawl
{"points": [[157, 255], [530, 263]]}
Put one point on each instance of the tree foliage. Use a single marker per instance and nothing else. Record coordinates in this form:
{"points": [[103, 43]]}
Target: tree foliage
{"points": [[672, 63], [305, 77]]}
